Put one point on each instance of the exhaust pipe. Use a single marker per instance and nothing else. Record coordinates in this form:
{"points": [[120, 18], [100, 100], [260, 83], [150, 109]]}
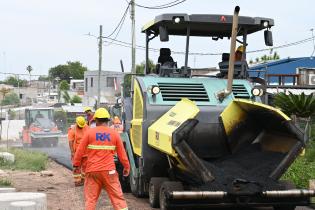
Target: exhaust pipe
{"points": [[221, 95], [289, 193], [182, 195], [203, 195]]}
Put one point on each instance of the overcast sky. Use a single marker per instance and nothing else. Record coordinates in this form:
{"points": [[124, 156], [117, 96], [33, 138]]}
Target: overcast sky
{"points": [[46, 33]]}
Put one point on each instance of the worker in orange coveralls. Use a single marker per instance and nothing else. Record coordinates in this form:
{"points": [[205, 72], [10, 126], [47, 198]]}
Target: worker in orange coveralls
{"points": [[75, 135], [102, 143], [117, 126]]}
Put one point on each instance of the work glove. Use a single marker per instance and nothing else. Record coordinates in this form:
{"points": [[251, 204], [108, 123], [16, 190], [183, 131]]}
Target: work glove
{"points": [[126, 172], [78, 181]]}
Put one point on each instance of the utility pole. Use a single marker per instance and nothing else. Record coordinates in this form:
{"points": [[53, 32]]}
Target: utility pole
{"points": [[99, 66], [312, 31], [133, 37]]}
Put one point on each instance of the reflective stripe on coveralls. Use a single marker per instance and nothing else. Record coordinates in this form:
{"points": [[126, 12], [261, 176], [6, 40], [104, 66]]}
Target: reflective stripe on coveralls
{"points": [[102, 147]]}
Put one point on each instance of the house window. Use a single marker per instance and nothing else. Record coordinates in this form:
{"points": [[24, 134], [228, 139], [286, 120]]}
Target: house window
{"points": [[91, 81], [86, 84], [110, 81]]}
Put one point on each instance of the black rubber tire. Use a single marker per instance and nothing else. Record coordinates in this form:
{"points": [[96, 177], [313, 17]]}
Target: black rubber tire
{"points": [[169, 187], [134, 184], [154, 190]]}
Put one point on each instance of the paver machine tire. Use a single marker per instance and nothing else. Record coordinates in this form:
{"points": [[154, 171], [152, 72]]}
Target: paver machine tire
{"points": [[166, 187], [154, 190], [135, 186]]}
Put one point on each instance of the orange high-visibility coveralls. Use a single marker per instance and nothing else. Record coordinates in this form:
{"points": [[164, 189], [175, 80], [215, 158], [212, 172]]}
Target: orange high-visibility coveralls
{"points": [[102, 143], [75, 135]]}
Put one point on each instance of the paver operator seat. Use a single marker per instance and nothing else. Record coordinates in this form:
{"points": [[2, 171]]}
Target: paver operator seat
{"points": [[165, 60], [240, 67]]}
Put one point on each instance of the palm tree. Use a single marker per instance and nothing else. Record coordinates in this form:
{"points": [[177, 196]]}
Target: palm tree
{"points": [[297, 106], [29, 69]]}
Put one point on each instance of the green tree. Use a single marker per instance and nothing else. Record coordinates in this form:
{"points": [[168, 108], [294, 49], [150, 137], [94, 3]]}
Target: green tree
{"points": [[75, 70], [76, 99], [11, 99], [265, 58], [43, 78], [12, 114], [66, 97], [139, 70], [64, 85], [11, 80]]}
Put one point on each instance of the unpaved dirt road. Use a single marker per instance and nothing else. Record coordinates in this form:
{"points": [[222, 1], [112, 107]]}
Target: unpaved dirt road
{"points": [[60, 190]]}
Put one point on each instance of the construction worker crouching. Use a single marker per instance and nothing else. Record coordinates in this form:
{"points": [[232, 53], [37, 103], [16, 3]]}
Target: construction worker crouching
{"points": [[75, 135], [117, 126], [101, 143]]}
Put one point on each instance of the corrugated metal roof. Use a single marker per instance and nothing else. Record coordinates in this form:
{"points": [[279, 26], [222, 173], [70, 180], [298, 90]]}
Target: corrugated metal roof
{"points": [[294, 91], [284, 66]]}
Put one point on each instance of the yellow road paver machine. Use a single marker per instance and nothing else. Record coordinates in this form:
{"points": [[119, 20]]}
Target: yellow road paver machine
{"points": [[208, 141]]}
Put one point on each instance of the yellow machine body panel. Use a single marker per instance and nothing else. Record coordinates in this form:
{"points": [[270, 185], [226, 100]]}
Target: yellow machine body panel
{"points": [[271, 139], [237, 110], [137, 118], [160, 132]]}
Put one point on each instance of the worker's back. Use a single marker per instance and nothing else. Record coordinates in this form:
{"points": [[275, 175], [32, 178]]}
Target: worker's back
{"points": [[102, 143]]}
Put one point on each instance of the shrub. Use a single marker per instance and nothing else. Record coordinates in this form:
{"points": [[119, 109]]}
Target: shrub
{"points": [[25, 160]]}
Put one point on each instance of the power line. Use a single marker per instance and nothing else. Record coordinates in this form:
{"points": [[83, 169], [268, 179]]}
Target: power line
{"points": [[23, 74], [120, 23], [119, 29], [126, 44], [282, 46], [162, 6]]}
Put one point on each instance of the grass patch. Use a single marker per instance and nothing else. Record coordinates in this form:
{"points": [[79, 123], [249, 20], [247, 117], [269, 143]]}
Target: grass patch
{"points": [[25, 160], [5, 182], [303, 168]]}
